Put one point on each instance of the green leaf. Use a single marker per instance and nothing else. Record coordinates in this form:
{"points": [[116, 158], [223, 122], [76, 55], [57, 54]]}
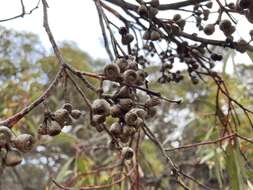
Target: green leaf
{"points": [[233, 165], [64, 171], [63, 138]]}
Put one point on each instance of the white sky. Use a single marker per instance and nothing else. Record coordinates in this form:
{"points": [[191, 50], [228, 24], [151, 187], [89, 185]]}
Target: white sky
{"points": [[74, 20]]}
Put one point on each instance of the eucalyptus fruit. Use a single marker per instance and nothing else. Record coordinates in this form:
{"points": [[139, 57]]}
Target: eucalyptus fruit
{"points": [[101, 107], [12, 158], [24, 142], [127, 153], [6, 136]]}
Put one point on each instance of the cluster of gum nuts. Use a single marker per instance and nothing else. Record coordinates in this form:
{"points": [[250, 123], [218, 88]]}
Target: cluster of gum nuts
{"points": [[54, 122], [123, 105], [12, 146]]}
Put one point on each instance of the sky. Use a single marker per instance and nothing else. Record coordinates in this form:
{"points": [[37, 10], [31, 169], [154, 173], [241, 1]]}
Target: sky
{"points": [[76, 21]]}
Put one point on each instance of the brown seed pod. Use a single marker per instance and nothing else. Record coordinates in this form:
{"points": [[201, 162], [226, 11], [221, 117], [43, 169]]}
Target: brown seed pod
{"points": [[129, 131], [206, 14], [249, 15], [176, 17], [132, 65], [131, 117], [181, 23], [24, 142], [101, 107], [127, 153], [12, 158], [123, 30], [146, 35], [126, 104], [61, 116], [116, 129], [115, 111], [54, 129], [155, 35], [244, 4], [152, 102], [241, 46], [43, 130], [127, 39], [209, 4], [142, 10], [155, 3], [225, 26], [112, 72], [76, 114], [68, 107], [122, 64], [175, 29], [140, 112], [152, 12], [141, 77], [6, 136], [98, 119], [124, 138], [209, 29], [139, 123], [130, 77]]}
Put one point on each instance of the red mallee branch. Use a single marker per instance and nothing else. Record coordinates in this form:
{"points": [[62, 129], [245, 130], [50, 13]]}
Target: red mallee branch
{"points": [[202, 143], [211, 142], [15, 118]]}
